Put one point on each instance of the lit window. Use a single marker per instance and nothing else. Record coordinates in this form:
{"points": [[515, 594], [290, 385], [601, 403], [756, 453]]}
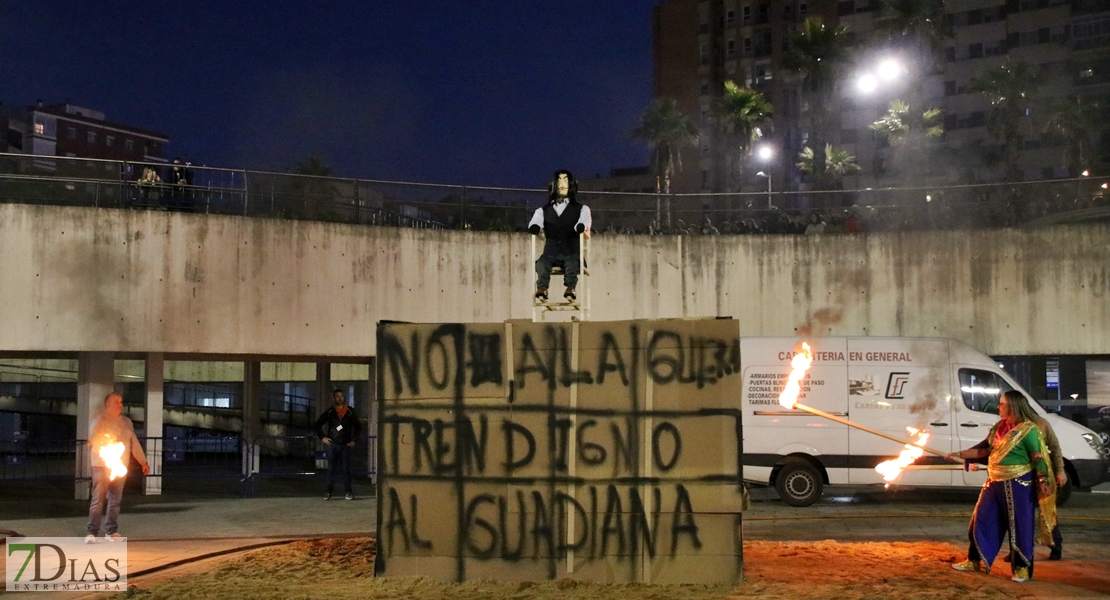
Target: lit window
{"points": [[40, 128]]}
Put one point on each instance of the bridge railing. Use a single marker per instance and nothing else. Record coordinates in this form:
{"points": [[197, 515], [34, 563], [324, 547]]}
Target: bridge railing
{"points": [[52, 180], [247, 463]]}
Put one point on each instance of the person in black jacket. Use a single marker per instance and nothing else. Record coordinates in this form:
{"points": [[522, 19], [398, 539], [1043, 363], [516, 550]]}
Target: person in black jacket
{"points": [[338, 428], [561, 220]]}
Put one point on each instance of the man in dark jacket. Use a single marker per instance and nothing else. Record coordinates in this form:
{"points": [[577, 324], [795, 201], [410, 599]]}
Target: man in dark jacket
{"points": [[562, 219], [338, 428]]}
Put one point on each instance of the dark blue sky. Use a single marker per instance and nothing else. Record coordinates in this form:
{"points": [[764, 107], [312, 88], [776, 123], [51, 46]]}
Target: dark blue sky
{"points": [[463, 91]]}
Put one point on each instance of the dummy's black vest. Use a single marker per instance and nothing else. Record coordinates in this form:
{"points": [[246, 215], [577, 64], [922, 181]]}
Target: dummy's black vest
{"points": [[562, 240]]}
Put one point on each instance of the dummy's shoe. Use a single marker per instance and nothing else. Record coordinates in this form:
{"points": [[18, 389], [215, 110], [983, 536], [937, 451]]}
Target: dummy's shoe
{"points": [[350, 496], [1021, 575], [115, 537], [569, 294], [541, 293], [1006, 558], [90, 539], [967, 565], [1056, 554]]}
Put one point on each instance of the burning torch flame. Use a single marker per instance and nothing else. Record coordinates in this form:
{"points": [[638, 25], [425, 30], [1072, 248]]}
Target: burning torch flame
{"points": [[799, 365], [891, 469], [112, 454]]}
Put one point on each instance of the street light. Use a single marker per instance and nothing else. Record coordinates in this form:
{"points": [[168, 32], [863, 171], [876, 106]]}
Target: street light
{"points": [[887, 71], [765, 153], [867, 83], [890, 69]]}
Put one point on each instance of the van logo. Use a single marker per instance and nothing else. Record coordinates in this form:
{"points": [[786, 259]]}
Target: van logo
{"points": [[896, 385]]}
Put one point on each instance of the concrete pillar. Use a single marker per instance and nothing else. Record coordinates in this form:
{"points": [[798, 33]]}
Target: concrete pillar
{"points": [[321, 402], [372, 420], [154, 377], [96, 378], [252, 421]]}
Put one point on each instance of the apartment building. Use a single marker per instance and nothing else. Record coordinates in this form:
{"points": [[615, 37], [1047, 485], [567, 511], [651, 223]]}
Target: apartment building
{"points": [[76, 131], [699, 44]]}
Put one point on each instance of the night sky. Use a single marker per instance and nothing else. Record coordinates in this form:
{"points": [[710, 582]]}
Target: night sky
{"points": [[465, 91]]}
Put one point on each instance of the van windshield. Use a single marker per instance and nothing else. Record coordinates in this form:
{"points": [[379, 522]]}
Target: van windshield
{"points": [[982, 389]]}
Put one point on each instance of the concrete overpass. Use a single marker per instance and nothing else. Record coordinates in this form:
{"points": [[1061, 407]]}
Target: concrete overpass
{"points": [[105, 284]]}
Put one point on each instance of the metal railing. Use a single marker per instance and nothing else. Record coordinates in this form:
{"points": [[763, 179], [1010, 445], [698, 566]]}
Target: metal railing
{"points": [[119, 184], [227, 457]]}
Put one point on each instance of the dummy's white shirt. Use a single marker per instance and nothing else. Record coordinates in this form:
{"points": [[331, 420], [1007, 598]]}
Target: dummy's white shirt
{"points": [[584, 217]]}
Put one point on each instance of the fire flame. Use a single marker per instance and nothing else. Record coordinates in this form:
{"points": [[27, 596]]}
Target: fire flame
{"points": [[799, 365], [891, 469], [112, 454]]}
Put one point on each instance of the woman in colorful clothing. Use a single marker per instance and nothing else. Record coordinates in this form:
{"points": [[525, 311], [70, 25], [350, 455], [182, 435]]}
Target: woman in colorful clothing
{"points": [[1019, 476]]}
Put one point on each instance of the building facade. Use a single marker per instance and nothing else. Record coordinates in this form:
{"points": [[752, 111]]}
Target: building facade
{"points": [[700, 44], [76, 131]]}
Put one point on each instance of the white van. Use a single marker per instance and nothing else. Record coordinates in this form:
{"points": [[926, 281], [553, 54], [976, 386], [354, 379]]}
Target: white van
{"points": [[887, 384]]}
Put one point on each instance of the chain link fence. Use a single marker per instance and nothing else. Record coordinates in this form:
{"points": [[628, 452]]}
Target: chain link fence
{"points": [[45, 180]]}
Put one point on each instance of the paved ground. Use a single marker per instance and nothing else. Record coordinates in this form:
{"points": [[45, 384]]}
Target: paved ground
{"points": [[183, 528]]}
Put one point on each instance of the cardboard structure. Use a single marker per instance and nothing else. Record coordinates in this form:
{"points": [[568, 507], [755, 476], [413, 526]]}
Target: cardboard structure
{"points": [[528, 451]]}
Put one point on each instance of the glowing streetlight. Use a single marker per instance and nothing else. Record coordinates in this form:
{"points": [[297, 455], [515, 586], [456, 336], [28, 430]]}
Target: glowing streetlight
{"points": [[765, 153], [867, 83], [890, 69], [1086, 173]]}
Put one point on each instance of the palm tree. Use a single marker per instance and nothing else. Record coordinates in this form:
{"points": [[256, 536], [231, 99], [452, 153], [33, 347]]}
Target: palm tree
{"points": [[819, 53], [909, 131], [1009, 88], [919, 26], [838, 163], [902, 126], [741, 114], [317, 193], [666, 129], [1073, 120]]}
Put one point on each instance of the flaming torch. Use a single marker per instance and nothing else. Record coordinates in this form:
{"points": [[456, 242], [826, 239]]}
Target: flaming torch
{"points": [[891, 469], [112, 454], [789, 398]]}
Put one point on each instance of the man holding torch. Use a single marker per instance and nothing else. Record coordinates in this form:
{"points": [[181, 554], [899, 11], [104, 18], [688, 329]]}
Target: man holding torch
{"points": [[113, 442]]}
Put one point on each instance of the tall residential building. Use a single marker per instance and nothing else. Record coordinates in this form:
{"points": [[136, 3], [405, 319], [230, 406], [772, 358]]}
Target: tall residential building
{"points": [[699, 44], [1065, 43]]}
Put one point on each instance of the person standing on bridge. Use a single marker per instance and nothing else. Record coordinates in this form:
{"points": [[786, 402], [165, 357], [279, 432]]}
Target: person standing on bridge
{"points": [[562, 219], [338, 428], [110, 429], [1019, 476]]}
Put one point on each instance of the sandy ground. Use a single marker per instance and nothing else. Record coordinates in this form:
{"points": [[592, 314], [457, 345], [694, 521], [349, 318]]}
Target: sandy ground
{"points": [[343, 568]]}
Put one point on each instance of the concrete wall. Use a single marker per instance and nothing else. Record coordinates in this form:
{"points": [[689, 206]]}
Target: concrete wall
{"points": [[603, 451], [136, 281]]}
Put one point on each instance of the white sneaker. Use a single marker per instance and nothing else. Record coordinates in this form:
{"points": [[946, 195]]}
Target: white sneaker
{"points": [[90, 539], [115, 537]]}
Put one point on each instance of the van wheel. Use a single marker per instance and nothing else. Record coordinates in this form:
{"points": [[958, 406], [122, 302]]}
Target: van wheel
{"points": [[798, 483]]}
